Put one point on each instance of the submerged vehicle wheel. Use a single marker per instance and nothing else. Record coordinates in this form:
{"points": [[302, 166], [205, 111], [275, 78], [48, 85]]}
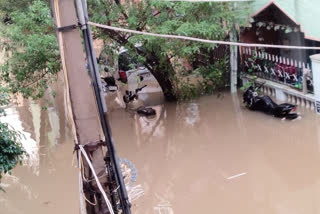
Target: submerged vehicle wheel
{"points": [[292, 116]]}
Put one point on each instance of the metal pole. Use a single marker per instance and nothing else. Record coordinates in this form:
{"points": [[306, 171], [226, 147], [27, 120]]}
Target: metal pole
{"points": [[233, 57], [80, 14], [82, 107], [102, 108]]}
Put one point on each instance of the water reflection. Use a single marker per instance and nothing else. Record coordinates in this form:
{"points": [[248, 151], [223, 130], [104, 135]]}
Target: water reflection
{"points": [[192, 114], [213, 155], [210, 155], [30, 145], [46, 182], [54, 134]]}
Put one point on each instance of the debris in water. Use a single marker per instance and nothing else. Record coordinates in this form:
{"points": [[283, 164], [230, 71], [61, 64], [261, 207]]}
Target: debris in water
{"points": [[236, 176]]}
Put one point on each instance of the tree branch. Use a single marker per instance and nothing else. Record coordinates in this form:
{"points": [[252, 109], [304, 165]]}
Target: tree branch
{"points": [[121, 9], [37, 80]]}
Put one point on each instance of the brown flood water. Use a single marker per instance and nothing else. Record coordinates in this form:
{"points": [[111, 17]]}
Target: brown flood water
{"points": [[210, 155], [214, 156], [47, 182]]}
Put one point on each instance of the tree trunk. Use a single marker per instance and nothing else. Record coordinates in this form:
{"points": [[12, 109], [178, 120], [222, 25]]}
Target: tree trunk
{"points": [[165, 84], [163, 73]]}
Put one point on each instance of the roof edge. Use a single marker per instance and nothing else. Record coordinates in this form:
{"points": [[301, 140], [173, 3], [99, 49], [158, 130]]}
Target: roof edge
{"points": [[278, 6], [272, 2]]}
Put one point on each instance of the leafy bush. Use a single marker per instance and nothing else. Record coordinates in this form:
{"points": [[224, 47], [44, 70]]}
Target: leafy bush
{"points": [[11, 151], [209, 79], [32, 55]]}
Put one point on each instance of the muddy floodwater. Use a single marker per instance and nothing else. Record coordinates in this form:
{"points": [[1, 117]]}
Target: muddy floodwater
{"points": [[47, 182], [214, 156], [210, 155]]}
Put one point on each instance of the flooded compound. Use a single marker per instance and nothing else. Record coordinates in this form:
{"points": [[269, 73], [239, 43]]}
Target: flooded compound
{"points": [[47, 181], [210, 155]]}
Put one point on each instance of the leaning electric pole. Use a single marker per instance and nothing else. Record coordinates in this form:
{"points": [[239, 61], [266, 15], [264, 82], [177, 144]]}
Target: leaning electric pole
{"points": [[87, 109]]}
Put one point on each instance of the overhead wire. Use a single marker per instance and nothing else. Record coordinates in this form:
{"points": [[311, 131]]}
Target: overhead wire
{"points": [[81, 193], [169, 36], [182, 38], [97, 179], [207, 0]]}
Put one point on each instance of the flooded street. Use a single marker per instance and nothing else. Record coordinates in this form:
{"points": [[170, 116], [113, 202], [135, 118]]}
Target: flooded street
{"points": [[47, 181], [214, 156], [210, 155]]}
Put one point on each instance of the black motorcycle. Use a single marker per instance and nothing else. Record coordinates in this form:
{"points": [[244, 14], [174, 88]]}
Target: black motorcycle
{"points": [[130, 96], [265, 104]]}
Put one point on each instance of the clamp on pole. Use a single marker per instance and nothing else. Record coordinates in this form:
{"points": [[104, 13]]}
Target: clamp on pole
{"points": [[66, 28]]}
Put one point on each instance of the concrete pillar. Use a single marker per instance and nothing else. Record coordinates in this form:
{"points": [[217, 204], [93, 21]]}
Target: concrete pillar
{"points": [[307, 104], [265, 90], [280, 95], [306, 72], [298, 101], [293, 100], [233, 61], [315, 59]]}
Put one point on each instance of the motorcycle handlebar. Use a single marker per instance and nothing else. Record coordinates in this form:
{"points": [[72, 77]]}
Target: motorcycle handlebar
{"points": [[139, 89]]}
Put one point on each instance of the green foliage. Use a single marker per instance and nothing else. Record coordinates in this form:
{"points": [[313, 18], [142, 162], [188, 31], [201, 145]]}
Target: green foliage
{"points": [[9, 6], [251, 82], [207, 20], [208, 81], [252, 61], [188, 90], [32, 55], [253, 67], [11, 151], [215, 77]]}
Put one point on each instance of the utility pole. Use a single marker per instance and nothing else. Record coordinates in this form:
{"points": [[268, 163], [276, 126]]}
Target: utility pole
{"points": [[87, 107], [116, 181]]}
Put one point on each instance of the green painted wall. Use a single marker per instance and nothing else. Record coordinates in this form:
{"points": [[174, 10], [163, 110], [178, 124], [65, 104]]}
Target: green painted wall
{"points": [[305, 12]]}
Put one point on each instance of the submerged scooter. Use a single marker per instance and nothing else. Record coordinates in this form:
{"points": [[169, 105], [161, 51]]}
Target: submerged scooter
{"points": [[109, 84], [265, 104], [131, 101]]}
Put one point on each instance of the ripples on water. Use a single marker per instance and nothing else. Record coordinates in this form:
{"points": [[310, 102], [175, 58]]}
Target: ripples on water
{"points": [[210, 155], [46, 183]]}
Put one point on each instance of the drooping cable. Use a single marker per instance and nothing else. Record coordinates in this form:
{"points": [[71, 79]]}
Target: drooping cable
{"points": [[202, 40], [97, 179]]}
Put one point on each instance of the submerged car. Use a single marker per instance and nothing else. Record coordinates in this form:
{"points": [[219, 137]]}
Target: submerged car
{"points": [[128, 65]]}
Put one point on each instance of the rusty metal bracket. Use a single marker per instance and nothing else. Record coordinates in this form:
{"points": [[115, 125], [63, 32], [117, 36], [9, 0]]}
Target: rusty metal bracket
{"points": [[90, 146]]}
